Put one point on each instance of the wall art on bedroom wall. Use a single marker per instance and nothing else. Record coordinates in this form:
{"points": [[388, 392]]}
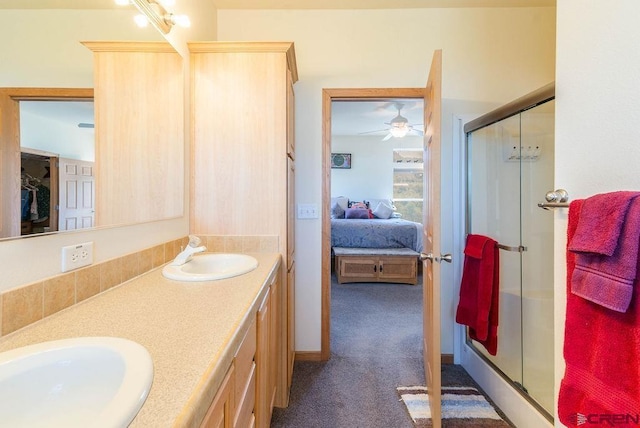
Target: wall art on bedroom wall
{"points": [[341, 160]]}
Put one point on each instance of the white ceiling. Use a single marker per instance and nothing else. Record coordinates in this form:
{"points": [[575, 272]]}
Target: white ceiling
{"points": [[355, 117]]}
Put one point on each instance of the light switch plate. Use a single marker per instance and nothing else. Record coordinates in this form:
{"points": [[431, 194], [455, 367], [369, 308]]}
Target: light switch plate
{"points": [[307, 211], [77, 256]]}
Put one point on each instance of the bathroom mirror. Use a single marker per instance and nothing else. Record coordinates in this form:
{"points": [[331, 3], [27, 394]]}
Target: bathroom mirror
{"points": [[44, 53]]}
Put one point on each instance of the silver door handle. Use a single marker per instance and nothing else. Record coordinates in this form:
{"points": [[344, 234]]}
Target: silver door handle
{"points": [[424, 257], [443, 257]]}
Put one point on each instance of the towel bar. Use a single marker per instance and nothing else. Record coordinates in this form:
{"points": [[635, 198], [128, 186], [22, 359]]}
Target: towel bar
{"points": [[518, 249], [549, 205]]}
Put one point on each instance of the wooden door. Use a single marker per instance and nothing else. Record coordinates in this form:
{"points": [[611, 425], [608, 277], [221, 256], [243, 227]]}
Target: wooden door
{"points": [[431, 234], [77, 194]]}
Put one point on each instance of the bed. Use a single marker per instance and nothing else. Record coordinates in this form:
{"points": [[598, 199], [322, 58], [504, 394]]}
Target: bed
{"points": [[376, 233], [376, 250]]}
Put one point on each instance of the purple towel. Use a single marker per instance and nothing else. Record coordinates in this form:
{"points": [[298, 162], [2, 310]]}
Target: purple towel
{"points": [[606, 246]]}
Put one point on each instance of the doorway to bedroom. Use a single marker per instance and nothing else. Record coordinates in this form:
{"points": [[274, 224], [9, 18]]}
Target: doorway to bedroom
{"points": [[373, 168]]}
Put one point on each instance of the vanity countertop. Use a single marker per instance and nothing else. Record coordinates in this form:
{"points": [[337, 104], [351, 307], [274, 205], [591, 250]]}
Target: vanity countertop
{"points": [[191, 330]]}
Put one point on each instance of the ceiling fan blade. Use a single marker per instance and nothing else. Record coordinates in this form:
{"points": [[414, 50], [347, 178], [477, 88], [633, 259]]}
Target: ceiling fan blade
{"points": [[371, 132], [419, 132], [85, 125], [389, 135]]}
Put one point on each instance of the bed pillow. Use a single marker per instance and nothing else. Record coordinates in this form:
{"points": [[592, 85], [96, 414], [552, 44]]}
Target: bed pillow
{"points": [[356, 213], [337, 211], [383, 211], [373, 203], [343, 201]]}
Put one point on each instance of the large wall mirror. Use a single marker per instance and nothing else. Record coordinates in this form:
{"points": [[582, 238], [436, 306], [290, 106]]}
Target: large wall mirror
{"points": [[47, 117]]}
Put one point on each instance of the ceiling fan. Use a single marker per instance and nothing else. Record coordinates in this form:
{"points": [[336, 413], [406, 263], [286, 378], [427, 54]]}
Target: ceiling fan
{"points": [[399, 126]]}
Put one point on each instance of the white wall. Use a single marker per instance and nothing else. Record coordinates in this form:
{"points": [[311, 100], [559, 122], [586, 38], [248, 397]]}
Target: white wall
{"points": [[393, 48], [597, 116], [371, 172], [54, 136]]}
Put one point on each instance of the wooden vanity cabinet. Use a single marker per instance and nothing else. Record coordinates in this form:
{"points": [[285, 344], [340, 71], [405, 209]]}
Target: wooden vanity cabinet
{"points": [[247, 395], [220, 413]]}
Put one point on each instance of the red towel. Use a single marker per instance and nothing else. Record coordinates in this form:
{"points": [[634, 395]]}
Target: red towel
{"points": [[479, 291], [602, 355], [606, 241]]}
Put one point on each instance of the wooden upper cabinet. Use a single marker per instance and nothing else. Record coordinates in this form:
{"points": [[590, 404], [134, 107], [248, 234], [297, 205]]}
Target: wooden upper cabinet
{"points": [[240, 100]]}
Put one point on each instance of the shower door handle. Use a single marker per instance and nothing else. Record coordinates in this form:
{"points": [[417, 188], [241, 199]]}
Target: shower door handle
{"points": [[430, 256]]}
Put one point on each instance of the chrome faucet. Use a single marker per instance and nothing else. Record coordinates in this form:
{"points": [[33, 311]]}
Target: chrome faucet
{"points": [[191, 249]]}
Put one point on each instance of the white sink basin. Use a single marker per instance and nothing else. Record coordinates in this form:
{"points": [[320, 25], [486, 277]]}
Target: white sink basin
{"points": [[211, 266], [79, 382]]}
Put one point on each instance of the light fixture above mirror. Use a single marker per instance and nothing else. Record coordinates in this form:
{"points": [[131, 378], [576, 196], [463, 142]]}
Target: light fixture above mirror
{"points": [[155, 12]]}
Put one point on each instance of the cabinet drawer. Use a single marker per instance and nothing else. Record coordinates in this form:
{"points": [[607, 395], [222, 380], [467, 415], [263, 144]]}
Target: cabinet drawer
{"points": [[244, 364], [246, 404]]}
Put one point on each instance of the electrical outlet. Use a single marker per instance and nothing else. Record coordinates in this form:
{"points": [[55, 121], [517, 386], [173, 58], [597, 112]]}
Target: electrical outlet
{"points": [[77, 256]]}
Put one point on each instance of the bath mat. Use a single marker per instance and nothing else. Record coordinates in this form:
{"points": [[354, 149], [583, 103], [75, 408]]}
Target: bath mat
{"points": [[461, 406]]}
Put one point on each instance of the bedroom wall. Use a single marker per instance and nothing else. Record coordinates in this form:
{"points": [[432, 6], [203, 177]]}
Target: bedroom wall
{"points": [[56, 136], [371, 172], [386, 49]]}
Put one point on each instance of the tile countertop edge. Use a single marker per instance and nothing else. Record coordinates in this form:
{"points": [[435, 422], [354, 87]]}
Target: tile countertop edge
{"points": [[202, 396]]}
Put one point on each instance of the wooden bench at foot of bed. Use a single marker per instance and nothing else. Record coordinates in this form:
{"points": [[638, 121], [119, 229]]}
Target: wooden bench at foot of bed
{"points": [[376, 265]]}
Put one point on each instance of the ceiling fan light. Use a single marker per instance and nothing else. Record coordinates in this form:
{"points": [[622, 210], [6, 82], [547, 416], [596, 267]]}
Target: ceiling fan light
{"points": [[399, 131]]}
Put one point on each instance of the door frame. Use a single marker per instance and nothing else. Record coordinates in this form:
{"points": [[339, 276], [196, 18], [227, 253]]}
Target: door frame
{"points": [[10, 151], [329, 95]]}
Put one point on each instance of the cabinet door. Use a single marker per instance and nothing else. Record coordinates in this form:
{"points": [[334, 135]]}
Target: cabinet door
{"points": [[291, 211], [358, 269], [397, 269], [291, 317], [245, 382], [220, 413], [263, 398], [276, 352]]}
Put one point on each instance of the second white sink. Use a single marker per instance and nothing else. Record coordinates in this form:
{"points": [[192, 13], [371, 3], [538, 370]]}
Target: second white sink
{"points": [[211, 266]]}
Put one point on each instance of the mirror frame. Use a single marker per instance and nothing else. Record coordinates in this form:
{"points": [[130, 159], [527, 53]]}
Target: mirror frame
{"points": [[10, 149]]}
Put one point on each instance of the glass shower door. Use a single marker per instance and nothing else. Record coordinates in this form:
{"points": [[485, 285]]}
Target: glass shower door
{"points": [[537, 130], [494, 201], [510, 168]]}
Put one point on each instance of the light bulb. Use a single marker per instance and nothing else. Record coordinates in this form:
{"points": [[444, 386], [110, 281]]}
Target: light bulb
{"points": [[399, 131], [141, 20]]}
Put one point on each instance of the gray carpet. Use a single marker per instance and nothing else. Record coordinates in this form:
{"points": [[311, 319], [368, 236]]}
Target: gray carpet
{"points": [[376, 332]]}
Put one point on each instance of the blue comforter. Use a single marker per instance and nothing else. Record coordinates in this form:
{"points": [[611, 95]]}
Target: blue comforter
{"points": [[376, 233]]}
